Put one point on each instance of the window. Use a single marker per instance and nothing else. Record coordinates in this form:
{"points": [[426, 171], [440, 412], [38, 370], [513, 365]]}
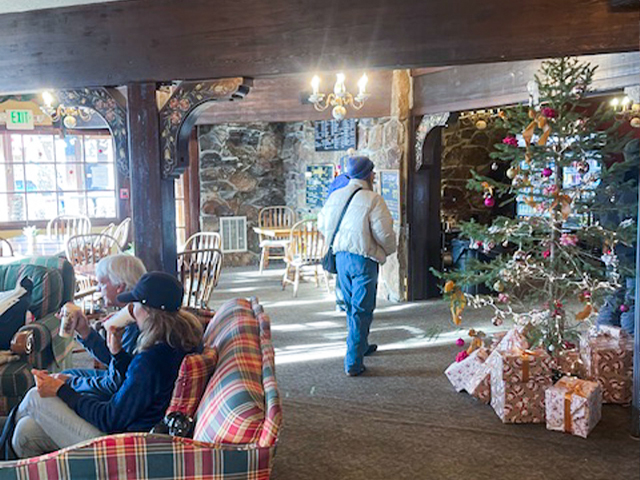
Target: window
{"points": [[43, 175], [181, 219], [234, 234]]}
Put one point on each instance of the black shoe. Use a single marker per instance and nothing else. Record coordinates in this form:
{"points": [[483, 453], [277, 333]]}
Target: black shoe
{"points": [[373, 348], [355, 373]]}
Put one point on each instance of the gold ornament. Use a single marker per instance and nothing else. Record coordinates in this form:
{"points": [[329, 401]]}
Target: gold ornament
{"points": [[498, 286]]}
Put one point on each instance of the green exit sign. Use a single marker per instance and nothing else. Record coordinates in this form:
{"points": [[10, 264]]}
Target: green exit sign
{"points": [[19, 120]]}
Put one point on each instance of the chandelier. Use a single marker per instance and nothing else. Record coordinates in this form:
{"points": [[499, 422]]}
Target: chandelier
{"points": [[69, 115], [339, 99], [628, 107]]}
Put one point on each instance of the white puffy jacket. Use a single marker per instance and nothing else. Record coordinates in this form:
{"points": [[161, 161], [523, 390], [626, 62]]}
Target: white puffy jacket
{"points": [[367, 227]]}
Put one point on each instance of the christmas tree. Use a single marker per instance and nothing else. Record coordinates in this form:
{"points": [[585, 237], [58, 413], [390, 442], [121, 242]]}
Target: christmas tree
{"points": [[552, 265]]}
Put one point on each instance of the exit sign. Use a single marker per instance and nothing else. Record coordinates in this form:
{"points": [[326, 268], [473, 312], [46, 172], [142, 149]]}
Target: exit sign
{"points": [[19, 120]]}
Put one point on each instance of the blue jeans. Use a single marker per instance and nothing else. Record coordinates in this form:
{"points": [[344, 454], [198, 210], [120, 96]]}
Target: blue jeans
{"points": [[339, 295], [358, 278], [610, 313]]}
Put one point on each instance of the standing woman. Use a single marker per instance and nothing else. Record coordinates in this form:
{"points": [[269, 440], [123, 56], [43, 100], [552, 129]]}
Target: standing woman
{"points": [[53, 415]]}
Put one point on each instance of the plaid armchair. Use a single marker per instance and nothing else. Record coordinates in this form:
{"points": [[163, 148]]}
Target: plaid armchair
{"points": [[54, 284], [238, 419]]}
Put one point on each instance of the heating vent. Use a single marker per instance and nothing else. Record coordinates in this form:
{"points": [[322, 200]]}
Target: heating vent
{"points": [[234, 234]]}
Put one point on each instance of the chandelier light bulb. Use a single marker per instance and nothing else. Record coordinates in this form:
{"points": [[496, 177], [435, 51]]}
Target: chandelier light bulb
{"points": [[626, 101], [362, 84], [339, 88], [47, 98], [614, 102], [315, 84]]}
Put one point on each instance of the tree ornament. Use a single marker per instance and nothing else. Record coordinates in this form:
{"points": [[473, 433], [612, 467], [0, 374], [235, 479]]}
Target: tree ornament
{"points": [[547, 172], [497, 321], [635, 122], [624, 308], [460, 342], [494, 166], [510, 140], [489, 202], [583, 167], [481, 124], [498, 286], [512, 172]]}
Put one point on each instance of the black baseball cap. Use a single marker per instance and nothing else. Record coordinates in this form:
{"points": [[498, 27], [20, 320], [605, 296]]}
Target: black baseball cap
{"points": [[156, 290]]}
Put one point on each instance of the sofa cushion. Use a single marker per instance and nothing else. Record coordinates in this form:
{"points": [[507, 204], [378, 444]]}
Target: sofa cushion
{"points": [[46, 296], [195, 371], [15, 378], [233, 406], [61, 264]]}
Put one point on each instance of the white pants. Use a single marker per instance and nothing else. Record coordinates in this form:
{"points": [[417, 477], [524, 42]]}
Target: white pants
{"points": [[47, 424]]}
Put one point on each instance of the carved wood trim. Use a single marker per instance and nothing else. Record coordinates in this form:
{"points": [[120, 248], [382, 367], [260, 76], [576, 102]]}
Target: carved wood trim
{"points": [[428, 123], [180, 113]]}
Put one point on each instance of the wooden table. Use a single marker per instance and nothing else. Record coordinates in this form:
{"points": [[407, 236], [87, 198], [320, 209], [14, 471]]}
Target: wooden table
{"points": [[273, 232], [44, 245]]}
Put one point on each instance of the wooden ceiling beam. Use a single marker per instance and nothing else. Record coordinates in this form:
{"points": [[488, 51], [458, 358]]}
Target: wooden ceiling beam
{"points": [[140, 40]]}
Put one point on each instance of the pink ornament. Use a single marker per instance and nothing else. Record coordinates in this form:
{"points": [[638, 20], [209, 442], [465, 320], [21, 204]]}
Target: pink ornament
{"points": [[567, 240], [624, 308], [461, 356], [510, 140], [460, 342], [503, 298], [549, 112], [547, 172], [546, 253], [489, 202]]}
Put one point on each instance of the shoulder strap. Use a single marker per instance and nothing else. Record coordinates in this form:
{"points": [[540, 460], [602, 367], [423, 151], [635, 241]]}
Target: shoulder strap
{"points": [[344, 210]]}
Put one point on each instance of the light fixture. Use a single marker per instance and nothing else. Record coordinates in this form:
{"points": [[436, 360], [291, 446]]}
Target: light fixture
{"points": [[340, 99], [481, 118], [68, 115], [628, 107]]}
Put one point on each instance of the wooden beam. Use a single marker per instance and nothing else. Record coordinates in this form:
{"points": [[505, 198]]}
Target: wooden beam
{"points": [[140, 40], [477, 86], [284, 99], [152, 197]]}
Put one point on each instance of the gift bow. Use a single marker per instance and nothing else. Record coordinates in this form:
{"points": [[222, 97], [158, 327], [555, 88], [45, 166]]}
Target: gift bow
{"points": [[541, 122], [573, 386], [565, 204], [526, 355]]}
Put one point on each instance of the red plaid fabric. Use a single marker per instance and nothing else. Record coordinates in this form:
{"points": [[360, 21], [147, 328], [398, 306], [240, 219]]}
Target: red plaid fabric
{"points": [[195, 372]]}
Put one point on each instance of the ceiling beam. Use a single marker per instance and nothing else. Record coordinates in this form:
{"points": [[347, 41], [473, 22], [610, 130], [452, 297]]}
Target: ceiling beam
{"points": [[140, 40], [471, 87]]}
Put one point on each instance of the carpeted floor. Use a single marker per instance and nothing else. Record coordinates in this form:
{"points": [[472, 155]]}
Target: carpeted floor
{"points": [[402, 419]]}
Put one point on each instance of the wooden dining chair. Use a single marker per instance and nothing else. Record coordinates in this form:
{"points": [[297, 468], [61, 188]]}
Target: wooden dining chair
{"points": [[203, 240], [84, 252], [280, 217], [199, 272], [305, 250], [108, 230], [68, 226], [121, 232], [6, 249]]}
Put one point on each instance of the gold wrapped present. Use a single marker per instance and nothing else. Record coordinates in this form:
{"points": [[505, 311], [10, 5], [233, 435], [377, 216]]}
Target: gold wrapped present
{"points": [[573, 406], [607, 354], [518, 381]]}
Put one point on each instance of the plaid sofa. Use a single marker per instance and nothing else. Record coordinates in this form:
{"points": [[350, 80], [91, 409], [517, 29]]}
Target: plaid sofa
{"points": [[54, 284], [242, 385]]}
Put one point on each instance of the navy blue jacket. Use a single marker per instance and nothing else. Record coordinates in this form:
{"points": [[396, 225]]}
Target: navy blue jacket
{"points": [[141, 401]]}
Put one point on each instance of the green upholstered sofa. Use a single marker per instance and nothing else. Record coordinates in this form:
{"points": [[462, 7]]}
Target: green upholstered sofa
{"points": [[54, 285]]}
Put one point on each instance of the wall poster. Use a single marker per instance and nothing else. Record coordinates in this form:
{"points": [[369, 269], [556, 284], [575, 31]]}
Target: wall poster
{"points": [[389, 188], [318, 179]]}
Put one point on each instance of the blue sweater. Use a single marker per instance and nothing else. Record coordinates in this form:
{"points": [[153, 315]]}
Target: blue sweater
{"points": [[141, 401], [102, 383]]}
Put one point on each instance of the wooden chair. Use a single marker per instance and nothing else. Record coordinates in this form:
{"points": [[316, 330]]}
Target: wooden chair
{"points": [[108, 230], [121, 233], [280, 217], [68, 226], [84, 252], [199, 272], [305, 249], [6, 250], [203, 240]]}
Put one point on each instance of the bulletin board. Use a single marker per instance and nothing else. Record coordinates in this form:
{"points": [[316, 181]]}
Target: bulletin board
{"points": [[318, 179], [389, 189], [335, 135]]}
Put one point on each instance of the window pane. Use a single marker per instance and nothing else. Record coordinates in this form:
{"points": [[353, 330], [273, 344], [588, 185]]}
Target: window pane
{"points": [[16, 148], [98, 149], [38, 148], [70, 176], [72, 203], [69, 149], [42, 206], [180, 218], [100, 176], [102, 204], [12, 207], [11, 177], [41, 178]]}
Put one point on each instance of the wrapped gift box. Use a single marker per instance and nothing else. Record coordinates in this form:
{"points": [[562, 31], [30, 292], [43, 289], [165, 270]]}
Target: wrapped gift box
{"points": [[607, 353], [479, 385], [459, 373], [518, 381], [573, 406], [570, 362]]}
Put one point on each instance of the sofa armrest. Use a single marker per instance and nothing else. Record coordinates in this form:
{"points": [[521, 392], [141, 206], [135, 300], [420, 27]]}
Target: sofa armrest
{"points": [[22, 342], [152, 456]]}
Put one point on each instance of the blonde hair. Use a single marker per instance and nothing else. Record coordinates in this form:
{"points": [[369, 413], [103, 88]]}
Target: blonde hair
{"points": [[121, 269], [178, 329]]}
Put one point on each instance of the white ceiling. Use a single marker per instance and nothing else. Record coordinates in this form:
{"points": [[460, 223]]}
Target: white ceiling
{"points": [[11, 6]]}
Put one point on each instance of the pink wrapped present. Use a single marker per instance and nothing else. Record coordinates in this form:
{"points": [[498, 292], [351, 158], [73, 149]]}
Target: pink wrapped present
{"points": [[479, 385], [574, 406], [459, 373], [607, 354], [518, 381]]}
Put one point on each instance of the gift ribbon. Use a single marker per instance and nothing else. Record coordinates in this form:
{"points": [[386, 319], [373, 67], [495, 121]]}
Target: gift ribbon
{"points": [[541, 122], [575, 387]]}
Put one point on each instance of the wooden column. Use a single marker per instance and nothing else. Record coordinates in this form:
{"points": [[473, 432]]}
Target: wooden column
{"points": [[635, 406], [152, 197]]}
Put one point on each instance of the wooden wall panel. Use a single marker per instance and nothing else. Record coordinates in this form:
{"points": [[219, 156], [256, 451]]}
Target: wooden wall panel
{"points": [[154, 40]]}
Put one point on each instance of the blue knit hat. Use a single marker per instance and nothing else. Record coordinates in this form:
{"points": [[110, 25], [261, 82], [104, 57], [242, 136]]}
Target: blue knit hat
{"points": [[359, 167]]}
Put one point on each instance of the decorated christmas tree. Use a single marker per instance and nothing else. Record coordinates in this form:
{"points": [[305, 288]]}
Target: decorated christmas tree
{"points": [[550, 267]]}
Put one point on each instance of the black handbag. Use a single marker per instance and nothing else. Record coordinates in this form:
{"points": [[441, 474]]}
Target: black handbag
{"points": [[329, 259]]}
